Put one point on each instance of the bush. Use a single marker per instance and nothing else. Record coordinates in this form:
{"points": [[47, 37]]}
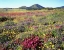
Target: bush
{"points": [[21, 28], [54, 33], [2, 19], [9, 23], [1, 29], [4, 38], [32, 42]]}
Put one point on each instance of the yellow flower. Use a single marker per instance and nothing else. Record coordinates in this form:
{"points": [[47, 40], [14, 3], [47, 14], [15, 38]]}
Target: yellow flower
{"points": [[52, 46], [31, 28], [58, 49], [11, 31], [44, 44], [47, 46], [3, 29], [16, 21], [55, 37], [43, 34], [39, 47], [50, 42], [7, 32]]}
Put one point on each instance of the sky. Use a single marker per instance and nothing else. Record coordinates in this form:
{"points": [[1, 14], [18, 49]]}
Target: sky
{"points": [[19, 3]]}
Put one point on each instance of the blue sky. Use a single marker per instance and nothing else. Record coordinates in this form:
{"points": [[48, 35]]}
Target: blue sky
{"points": [[18, 3]]}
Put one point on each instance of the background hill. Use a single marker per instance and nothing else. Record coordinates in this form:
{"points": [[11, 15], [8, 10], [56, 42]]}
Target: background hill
{"points": [[61, 7], [33, 7]]}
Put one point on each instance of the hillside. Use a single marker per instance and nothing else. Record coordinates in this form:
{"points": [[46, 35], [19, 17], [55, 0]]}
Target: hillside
{"points": [[34, 7]]}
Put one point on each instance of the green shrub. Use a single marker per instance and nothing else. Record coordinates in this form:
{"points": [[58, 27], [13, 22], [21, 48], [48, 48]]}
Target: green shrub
{"points": [[54, 33], [9, 23], [1, 29], [2, 19], [4, 38], [21, 28]]}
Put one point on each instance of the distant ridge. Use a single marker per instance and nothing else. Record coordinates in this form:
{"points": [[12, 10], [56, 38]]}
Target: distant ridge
{"points": [[61, 7], [34, 7]]}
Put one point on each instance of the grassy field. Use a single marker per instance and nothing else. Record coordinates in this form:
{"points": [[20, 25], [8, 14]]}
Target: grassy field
{"points": [[22, 29]]}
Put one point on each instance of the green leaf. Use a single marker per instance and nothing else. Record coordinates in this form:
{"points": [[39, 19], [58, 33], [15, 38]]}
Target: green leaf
{"points": [[19, 48]]}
